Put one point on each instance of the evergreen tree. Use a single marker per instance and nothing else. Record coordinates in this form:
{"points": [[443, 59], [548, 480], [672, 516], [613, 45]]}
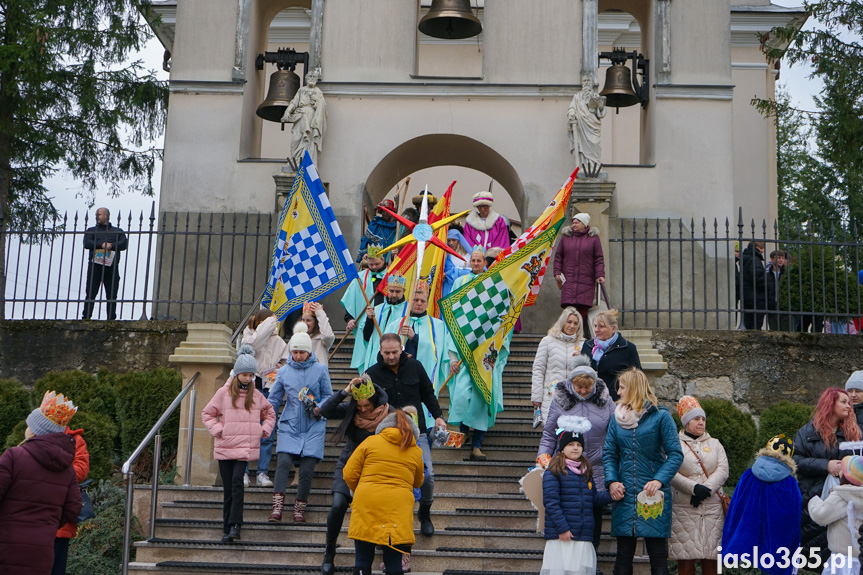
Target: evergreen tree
{"points": [[70, 102]]}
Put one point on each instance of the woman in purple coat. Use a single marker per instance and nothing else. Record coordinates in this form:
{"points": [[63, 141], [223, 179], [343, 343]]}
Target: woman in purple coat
{"points": [[579, 266]]}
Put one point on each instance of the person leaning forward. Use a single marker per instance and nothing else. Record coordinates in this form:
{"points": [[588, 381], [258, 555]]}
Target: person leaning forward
{"points": [[406, 382]]}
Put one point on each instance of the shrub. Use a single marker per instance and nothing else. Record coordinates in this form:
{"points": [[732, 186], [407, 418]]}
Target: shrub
{"points": [[15, 436], [100, 433], [784, 417], [141, 399], [14, 405], [90, 393], [98, 547], [735, 430]]}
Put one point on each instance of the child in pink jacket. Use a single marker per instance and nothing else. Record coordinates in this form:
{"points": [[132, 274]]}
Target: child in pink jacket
{"points": [[238, 417]]}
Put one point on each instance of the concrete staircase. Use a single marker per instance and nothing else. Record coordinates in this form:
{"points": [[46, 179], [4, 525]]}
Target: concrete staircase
{"points": [[483, 523]]}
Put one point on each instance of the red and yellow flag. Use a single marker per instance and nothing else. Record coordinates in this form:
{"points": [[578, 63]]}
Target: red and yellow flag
{"points": [[433, 259], [553, 213]]}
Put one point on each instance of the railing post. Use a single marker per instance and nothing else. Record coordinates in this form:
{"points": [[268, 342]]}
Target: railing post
{"points": [[127, 527], [154, 493], [190, 438]]}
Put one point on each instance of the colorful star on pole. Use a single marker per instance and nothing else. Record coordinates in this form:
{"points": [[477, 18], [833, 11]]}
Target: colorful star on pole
{"points": [[423, 232]]}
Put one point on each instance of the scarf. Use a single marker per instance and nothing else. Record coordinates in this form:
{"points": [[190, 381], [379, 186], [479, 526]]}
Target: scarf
{"points": [[600, 346], [574, 466], [370, 421], [626, 417]]}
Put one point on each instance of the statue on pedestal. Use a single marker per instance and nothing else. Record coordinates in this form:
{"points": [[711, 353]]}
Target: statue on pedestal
{"points": [[585, 122], [308, 113]]}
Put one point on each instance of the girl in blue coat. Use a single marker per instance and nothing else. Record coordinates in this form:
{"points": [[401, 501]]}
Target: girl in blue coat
{"points": [[641, 455], [569, 496], [304, 384]]}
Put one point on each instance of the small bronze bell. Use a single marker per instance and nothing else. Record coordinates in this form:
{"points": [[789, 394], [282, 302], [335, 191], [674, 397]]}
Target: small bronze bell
{"points": [[284, 85], [450, 20], [618, 89]]}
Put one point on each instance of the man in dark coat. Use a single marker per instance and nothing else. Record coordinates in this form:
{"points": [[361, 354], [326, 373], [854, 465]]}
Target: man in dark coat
{"points": [[579, 266], [775, 268], [38, 490], [754, 280], [406, 383], [104, 242]]}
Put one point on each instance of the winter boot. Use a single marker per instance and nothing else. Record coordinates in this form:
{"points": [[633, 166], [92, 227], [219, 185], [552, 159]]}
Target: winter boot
{"points": [[300, 510], [278, 505], [424, 515], [328, 567], [477, 455], [235, 532]]}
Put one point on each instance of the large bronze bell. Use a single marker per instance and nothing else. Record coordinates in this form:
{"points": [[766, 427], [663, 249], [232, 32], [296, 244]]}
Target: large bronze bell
{"points": [[618, 89], [284, 84], [450, 20]]}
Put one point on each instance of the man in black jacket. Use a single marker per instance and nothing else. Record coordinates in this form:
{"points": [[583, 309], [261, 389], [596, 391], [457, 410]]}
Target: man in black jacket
{"points": [[775, 268], [104, 242], [754, 280], [406, 383]]}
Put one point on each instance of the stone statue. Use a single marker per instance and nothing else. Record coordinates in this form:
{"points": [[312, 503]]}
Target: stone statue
{"points": [[585, 122], [308, 113]]}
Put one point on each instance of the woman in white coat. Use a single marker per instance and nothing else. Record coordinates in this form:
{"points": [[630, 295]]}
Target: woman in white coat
{"points": [[555, 358], [697, 516]]}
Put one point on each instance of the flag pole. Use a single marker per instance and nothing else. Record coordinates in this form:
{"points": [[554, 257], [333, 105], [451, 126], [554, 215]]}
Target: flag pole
{"points": [[338, 345], [457, 367], [368, 304]]}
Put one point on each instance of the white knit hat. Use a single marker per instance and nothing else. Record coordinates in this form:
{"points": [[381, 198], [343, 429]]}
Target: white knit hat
{"points": [[301, 341], [583, 218], [483, 199]]}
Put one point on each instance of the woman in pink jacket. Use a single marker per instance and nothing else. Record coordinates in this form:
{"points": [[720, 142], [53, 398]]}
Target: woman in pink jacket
{"points": [[238, 417]]}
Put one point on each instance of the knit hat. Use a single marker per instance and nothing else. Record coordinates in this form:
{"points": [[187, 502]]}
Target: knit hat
{"points": [[855, 381], [571, 428], [245, 360], [688, 409], [583, 368], [52, 416], [583, 218], [483, 199], [852, 469], [301, 341]]}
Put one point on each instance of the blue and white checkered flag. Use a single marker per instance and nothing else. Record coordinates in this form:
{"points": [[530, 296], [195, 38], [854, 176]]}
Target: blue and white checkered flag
{"points": [[310, 256]]}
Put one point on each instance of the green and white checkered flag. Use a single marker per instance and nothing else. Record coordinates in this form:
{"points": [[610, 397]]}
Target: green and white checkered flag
{"points": [[487, 304]]}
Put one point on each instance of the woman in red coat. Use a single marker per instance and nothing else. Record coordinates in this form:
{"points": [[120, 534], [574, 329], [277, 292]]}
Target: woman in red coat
{"points": [[579, 266], [81, 465], [38, 489]]}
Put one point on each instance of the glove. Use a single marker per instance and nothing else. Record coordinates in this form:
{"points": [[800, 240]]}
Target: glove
{"points": [[700, 494]]}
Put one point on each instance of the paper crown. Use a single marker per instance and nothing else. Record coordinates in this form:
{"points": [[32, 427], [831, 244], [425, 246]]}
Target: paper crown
{"points": [[781, 445], [374, 250], [478, 249], [397, 280], [57, 408], [363, 390], [422, 287], [307, 308]]}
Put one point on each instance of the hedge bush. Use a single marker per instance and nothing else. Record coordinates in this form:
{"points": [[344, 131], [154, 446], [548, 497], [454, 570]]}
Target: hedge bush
{"points": [[98, 547], [736, 431], [15, 436], [141, 398], [14, 405], [90, 393], [784, 417]]}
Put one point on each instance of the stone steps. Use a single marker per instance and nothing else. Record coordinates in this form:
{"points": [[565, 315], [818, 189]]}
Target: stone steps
{"points": [[483, 523]]}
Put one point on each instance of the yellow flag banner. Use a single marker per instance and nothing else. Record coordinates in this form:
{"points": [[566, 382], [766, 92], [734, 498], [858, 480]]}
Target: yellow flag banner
{"points": [[482, 313]]}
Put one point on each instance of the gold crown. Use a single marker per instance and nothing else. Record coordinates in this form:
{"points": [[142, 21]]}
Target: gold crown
{"points": [[374, 250], [363, 390], [397, 280], [57, 408], [781, 445]]}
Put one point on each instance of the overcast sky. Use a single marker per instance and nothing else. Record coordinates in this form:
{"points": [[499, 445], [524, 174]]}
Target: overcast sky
{"points": [[68, 195]]}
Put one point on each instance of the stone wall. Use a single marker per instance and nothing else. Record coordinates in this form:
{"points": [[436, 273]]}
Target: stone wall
{"points": [[754, 369], [30, 349]]}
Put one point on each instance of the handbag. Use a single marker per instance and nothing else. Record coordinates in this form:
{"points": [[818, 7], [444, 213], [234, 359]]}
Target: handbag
{"points": [[724, 499], [87, 511]]}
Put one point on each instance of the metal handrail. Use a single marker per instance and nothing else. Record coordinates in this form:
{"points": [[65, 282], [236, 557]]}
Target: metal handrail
{"points": [[157, 452], [255, 307]]}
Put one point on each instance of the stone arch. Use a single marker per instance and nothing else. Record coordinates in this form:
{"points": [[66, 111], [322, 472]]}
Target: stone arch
{"points": [[433, 150]]}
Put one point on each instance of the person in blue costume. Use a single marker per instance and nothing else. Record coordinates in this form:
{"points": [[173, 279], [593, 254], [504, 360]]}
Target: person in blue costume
{"points": [[393, 308], [640, 458], [355, 304], [381, 230], [766, 509], [453, 267]]}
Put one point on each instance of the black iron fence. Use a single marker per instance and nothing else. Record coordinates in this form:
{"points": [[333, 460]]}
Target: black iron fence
{"points": [[197, 267], [725, 275]]}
